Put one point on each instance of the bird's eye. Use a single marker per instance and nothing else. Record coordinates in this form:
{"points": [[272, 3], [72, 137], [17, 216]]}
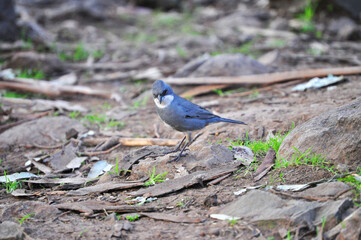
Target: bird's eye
{"points": [[164, 92]]}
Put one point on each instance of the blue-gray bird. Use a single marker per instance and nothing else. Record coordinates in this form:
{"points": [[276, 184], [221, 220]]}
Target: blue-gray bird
{"points": [[181, 114]]}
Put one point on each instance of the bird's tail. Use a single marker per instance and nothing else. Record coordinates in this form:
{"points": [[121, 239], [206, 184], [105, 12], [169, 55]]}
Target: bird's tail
{"points": [[230, 121]]}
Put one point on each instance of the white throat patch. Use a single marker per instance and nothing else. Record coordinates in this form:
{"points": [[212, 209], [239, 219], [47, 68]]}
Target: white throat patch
{"points": [[166, 101]]}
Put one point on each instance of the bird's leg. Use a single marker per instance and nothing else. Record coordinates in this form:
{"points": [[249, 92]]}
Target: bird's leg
{"points": [[189, 137], [178, 146], [195, 138]]}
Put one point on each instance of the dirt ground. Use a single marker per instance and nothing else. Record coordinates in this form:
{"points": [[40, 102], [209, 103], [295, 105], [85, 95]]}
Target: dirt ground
{"points": [[166, 41]]}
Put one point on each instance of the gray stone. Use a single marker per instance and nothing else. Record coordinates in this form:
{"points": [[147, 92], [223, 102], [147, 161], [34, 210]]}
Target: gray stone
{"points": [[228, 65], [43, 212], [244, 154], [335, 134], [238, 19], [69, 31], [11, 231], [127, 226], [345, 28], [46, 131], [48, 63], [259, 205], [279, 24], [351, 6], [201, 156], [208, 156], [349, 228], [191, 66], [327, 189], [60, 159], [119, 113]]}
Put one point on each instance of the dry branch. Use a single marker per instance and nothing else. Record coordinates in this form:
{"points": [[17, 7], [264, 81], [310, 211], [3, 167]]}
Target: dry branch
{"points": [[267, 78], [51, 90], [202, 89], [134, 141]]}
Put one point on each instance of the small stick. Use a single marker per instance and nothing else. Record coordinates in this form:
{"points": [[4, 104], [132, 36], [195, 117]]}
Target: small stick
{"points": [[220, 179], [90, 154], [267, 78]]}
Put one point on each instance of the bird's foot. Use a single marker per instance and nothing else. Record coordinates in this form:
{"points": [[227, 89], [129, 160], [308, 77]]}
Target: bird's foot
{"points": [[176, 149], [176, 159]]}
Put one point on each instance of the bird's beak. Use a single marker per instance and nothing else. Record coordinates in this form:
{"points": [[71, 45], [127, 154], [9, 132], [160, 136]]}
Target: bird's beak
{"points": [[160, 98]]}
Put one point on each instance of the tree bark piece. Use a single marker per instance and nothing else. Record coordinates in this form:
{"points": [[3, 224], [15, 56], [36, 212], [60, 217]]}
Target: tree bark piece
{"points": [[134, 141], [104, 187]]}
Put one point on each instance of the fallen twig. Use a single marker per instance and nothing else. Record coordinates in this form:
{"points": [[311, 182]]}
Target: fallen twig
{"points": [[52, 90], [267, 78], [220, 179], [202, 89], [341, 193], [134, 141], [300, 197], [13, 124], [90, 154], [171, 218]]}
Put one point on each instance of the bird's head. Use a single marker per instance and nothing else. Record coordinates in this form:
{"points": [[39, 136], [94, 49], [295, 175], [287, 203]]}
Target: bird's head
{"points": [[162, 93]]}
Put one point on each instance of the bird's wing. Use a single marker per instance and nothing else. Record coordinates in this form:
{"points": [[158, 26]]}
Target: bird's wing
{"points": [[192, 110]]}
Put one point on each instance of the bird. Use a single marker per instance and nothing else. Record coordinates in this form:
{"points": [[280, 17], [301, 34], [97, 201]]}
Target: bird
{"points": [[181, 114]]}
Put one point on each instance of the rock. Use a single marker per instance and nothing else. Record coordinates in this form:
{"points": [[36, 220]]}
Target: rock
{"points": [[269, 57], [48, 63], [127, 226], [345, 29], [335, 134], [351, 6], [159, 4], [225, 65], [201, 156], [208, 156], [112, 219], [11, 231], [349, 228], [8, 29], [244, 154], [61, 159], [259, 205], [69, 31], [328, 189], [43, 212], [191, 66], [288, 7], [117, 230], [46, 131], [279, 24], [211, 200], [238, 18], [119, 113]]}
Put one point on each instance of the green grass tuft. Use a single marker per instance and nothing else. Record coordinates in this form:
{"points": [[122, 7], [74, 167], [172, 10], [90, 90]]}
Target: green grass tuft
{"points": [[153, 179], [9, 185], [24, 218], [31, 73]]}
